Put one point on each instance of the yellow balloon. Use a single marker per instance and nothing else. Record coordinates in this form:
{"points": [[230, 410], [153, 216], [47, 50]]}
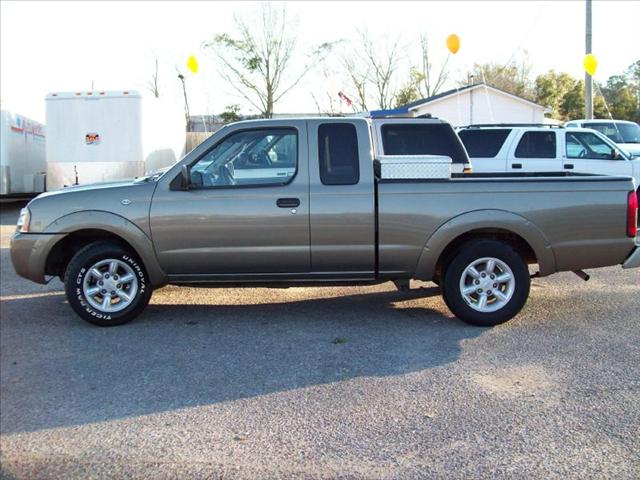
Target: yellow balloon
{"points": [[590, 64], [192, 64], [453, 43]]}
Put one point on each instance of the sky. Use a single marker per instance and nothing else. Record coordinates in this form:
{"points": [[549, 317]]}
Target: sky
{"points": [[68, 46]]}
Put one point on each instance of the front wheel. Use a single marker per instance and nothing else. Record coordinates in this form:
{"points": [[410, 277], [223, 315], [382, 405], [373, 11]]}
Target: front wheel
{"points": [[486, 283], [106, 284]]}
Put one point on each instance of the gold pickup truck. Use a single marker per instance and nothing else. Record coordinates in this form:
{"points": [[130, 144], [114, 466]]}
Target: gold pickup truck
{"points": [[319, 201]]}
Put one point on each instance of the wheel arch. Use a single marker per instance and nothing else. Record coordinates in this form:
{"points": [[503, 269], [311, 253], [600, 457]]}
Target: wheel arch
{"points": [[526, 238], [82, 228]]}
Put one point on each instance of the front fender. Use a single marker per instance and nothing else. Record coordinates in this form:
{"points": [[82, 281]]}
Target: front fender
{"points": [[484, 219], [117, 225]]}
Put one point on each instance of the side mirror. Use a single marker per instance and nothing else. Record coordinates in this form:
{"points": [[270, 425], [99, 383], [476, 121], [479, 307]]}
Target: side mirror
{"points": [[185, 175]]}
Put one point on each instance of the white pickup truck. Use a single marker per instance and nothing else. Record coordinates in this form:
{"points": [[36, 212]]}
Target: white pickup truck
{"points": [[540, 148]]}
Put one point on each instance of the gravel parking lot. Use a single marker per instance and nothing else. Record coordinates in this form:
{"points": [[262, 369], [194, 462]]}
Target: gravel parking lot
{"points": [[321, 383]]}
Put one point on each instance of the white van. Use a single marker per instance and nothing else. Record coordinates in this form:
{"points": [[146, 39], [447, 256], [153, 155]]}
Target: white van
{"points": [[539, 148]]}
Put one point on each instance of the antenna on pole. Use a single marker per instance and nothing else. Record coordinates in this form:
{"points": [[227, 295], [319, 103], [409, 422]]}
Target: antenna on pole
{"points": [[588, 80]]}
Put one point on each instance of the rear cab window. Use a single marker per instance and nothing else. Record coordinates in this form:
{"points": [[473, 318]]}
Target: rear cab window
{"points": [[484, 143], [537, 144], [422, 139], [338, 157]]}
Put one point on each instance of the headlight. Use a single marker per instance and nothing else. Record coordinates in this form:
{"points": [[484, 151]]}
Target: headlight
{"points": [[23, 220]]}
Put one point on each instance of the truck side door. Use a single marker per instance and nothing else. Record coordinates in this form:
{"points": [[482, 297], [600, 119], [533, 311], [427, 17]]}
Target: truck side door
{"points": [[342, 198], [535, 151], [246, 210], [590, 153]]}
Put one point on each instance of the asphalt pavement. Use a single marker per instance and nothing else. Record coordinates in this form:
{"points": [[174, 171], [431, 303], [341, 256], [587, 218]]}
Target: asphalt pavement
{"points": [[321, 383]]}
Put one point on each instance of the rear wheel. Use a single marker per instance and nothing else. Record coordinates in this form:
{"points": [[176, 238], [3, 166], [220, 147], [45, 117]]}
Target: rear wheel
{"points": [[486, 283], [106, 284]]}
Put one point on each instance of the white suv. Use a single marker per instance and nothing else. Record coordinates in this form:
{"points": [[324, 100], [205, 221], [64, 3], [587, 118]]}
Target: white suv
{"points": [[539, 148], [624, 133]]}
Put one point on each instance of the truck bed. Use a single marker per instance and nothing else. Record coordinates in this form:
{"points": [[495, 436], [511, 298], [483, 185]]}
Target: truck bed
{"points": [[571, 221]]}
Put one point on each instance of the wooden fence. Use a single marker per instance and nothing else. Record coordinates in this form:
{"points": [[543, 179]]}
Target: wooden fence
{"points": [[194, 139]]}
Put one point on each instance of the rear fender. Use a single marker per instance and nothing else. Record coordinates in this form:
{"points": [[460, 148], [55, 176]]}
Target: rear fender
{"points": [[484, 219]]}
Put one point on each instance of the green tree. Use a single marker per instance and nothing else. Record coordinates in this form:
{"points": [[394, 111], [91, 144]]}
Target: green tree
{"points": [[231, 114], [550, 89], [572, 104], [621, 97], [633, 78]]}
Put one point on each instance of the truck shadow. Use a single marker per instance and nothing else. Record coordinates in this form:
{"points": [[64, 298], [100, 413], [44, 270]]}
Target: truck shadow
{"points": [[58, 371]]}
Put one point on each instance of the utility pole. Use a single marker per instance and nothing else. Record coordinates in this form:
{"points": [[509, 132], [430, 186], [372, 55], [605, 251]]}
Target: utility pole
{"points": [[588, 80]]}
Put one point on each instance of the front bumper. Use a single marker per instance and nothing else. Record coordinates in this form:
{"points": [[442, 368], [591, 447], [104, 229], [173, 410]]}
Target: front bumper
{"points": [[633, 260], [29, 252]]}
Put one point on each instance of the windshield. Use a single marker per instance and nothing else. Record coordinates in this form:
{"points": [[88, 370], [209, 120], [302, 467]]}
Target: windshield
{"points": [[618, 132]]}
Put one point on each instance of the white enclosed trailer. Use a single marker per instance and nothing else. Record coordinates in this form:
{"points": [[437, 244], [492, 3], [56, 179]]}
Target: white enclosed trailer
{"points": [[22, 156], [93, 137]]}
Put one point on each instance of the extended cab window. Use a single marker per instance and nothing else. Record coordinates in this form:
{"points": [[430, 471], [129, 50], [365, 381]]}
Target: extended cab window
{"points": [[338, 154], [422, 139], [537, 145], [483, 143], [249, 157], [588, 145]]}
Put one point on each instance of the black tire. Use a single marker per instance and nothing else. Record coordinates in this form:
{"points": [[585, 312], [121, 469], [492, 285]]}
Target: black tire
{"points": [[78, 269], [467, 254]]}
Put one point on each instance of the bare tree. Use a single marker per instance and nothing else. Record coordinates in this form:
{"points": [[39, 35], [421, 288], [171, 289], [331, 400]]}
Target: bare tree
{"points": [[431, 82], [371, 70], [152, 85], [328, 96], [424, 79], [358, 72], [257, 61], [384, 62]]}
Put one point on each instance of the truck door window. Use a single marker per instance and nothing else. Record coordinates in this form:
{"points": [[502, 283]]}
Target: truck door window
{"points": [[249, 157], [483, 143], [422, 139], [537, 145], [338, 154], [588, 145]]}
